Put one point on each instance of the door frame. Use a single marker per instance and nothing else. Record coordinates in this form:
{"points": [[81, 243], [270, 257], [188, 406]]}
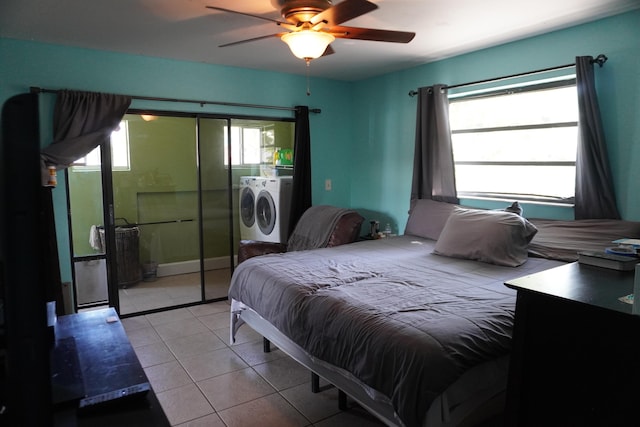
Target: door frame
{"points": [[109, 232]]}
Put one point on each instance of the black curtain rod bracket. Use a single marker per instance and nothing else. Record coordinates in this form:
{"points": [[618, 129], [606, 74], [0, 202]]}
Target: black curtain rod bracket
{"points": [[600, 60], [35, 89]]}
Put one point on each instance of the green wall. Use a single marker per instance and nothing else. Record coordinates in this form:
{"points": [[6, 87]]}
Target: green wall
{"points": [[363, 139], [161, 186], [384, 128]]}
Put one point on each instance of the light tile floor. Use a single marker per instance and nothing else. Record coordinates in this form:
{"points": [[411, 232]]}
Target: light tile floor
{"points": [[201, 380], [173, 290]]}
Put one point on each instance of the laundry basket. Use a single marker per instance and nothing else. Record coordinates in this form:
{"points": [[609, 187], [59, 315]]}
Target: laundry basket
{"points": [[127, 254]]}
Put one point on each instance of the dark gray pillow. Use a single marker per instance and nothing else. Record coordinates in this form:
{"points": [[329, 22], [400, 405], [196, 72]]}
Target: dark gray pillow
{"points": [[427, 218], [490, 236]]}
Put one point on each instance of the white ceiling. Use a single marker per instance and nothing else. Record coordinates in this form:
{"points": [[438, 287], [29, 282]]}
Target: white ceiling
{"points": [[186, 30]]}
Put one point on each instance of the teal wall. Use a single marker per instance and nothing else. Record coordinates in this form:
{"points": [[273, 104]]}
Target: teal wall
{"points": [[363, 140], [384, 125]]}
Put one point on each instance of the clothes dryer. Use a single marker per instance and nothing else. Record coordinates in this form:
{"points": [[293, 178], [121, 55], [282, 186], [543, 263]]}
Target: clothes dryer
{"points": [[247, 208], [273, 203]]}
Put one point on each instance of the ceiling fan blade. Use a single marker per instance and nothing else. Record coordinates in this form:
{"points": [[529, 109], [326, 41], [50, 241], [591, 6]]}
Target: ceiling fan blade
{"points": [[329, 51], [222, 9], [371, 34], [342, 12], [252, 39]]}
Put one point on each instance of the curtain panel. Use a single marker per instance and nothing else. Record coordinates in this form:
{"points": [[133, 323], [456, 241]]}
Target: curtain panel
{"points": [[81, 122], [301, 189], [594, 197], [433, 168]]}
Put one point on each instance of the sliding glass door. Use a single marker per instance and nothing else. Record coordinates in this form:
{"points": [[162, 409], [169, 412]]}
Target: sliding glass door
{"points": [[172, 193], [218, 207], [155, 200]]}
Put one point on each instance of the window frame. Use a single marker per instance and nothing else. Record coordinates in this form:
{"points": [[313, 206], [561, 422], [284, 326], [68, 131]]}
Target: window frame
{"points": [[524, 87], [80, 165], [241, 149]]}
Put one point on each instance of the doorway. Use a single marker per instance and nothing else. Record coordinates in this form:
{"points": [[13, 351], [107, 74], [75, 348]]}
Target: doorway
{"points": [[174, 181]]}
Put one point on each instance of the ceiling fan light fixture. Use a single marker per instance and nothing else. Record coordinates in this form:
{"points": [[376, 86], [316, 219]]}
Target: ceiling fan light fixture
{"points": [[308, 44]]}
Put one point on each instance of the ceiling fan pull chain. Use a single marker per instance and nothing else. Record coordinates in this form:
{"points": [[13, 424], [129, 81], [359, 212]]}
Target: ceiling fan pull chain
{"points": [[308, 61]]}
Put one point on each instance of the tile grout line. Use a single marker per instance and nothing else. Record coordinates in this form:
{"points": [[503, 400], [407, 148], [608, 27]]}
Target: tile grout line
{"points": [[239, 355]]}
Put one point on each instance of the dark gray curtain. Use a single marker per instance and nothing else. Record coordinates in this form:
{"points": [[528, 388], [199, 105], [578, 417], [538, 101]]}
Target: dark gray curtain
{"points": [[594, 197], [81, 122], [301, 189], [433, 170]]}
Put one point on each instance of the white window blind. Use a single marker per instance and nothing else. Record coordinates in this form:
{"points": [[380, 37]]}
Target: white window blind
{"points": [[516, 141]]}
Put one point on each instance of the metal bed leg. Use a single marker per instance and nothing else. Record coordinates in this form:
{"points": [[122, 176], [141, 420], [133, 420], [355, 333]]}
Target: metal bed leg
{"points": [[342, 400], [266, 345], [315, 383]]}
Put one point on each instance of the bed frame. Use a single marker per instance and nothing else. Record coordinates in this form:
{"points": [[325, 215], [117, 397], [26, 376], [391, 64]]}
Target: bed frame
{"points": [[487, 403]]}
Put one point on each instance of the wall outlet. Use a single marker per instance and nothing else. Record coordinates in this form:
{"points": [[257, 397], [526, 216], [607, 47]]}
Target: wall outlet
{"points": [[327, 184]]}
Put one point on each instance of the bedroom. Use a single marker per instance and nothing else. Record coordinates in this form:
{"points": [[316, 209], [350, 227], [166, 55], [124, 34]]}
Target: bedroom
{"points": [[375, 132], [374, 117]]}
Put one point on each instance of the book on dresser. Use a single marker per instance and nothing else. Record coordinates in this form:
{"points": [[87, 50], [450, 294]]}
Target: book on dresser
{"points": [[605, 260]]}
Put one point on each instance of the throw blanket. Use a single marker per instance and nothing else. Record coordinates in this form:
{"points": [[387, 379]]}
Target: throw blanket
{"points": [[315, 227]]}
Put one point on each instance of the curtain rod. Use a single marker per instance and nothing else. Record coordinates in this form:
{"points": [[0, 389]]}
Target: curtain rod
{"points": [[35, 89], [600, 60]]}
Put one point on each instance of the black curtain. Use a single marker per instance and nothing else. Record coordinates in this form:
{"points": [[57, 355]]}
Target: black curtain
{"points": [[301, 190], [81, 122], [595, 197], [433, 169]]}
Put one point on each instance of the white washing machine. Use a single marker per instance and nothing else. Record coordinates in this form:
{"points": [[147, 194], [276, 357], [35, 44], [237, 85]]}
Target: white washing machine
{"points": [[247, 208], [273, 204]]}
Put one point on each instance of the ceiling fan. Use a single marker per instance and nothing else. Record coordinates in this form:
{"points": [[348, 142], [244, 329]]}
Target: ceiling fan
{"points": [[313, 24]]}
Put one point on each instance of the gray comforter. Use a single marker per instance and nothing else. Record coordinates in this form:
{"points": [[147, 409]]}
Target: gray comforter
{"points": [[404, 321]]}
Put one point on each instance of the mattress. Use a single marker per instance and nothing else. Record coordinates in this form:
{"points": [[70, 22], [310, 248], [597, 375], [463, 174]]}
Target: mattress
{"points": [[400, 319]]}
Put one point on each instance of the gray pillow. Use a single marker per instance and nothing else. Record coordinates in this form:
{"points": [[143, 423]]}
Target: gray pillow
{"points": [[427, 218], [490, 236], [563, 239]]}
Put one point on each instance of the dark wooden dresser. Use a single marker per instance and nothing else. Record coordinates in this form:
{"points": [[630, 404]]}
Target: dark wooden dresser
{"points": [[575, 359]]}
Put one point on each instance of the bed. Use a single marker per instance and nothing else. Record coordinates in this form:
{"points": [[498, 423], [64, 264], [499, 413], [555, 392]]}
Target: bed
{"points": [[416, 328]]}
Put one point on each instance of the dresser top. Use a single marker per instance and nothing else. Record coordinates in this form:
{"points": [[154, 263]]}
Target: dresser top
{"points": [[595, 286]]}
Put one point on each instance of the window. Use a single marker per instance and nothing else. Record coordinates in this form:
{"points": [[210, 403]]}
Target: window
{"points": [[119, 153], [246, 144], [516, 141]]}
